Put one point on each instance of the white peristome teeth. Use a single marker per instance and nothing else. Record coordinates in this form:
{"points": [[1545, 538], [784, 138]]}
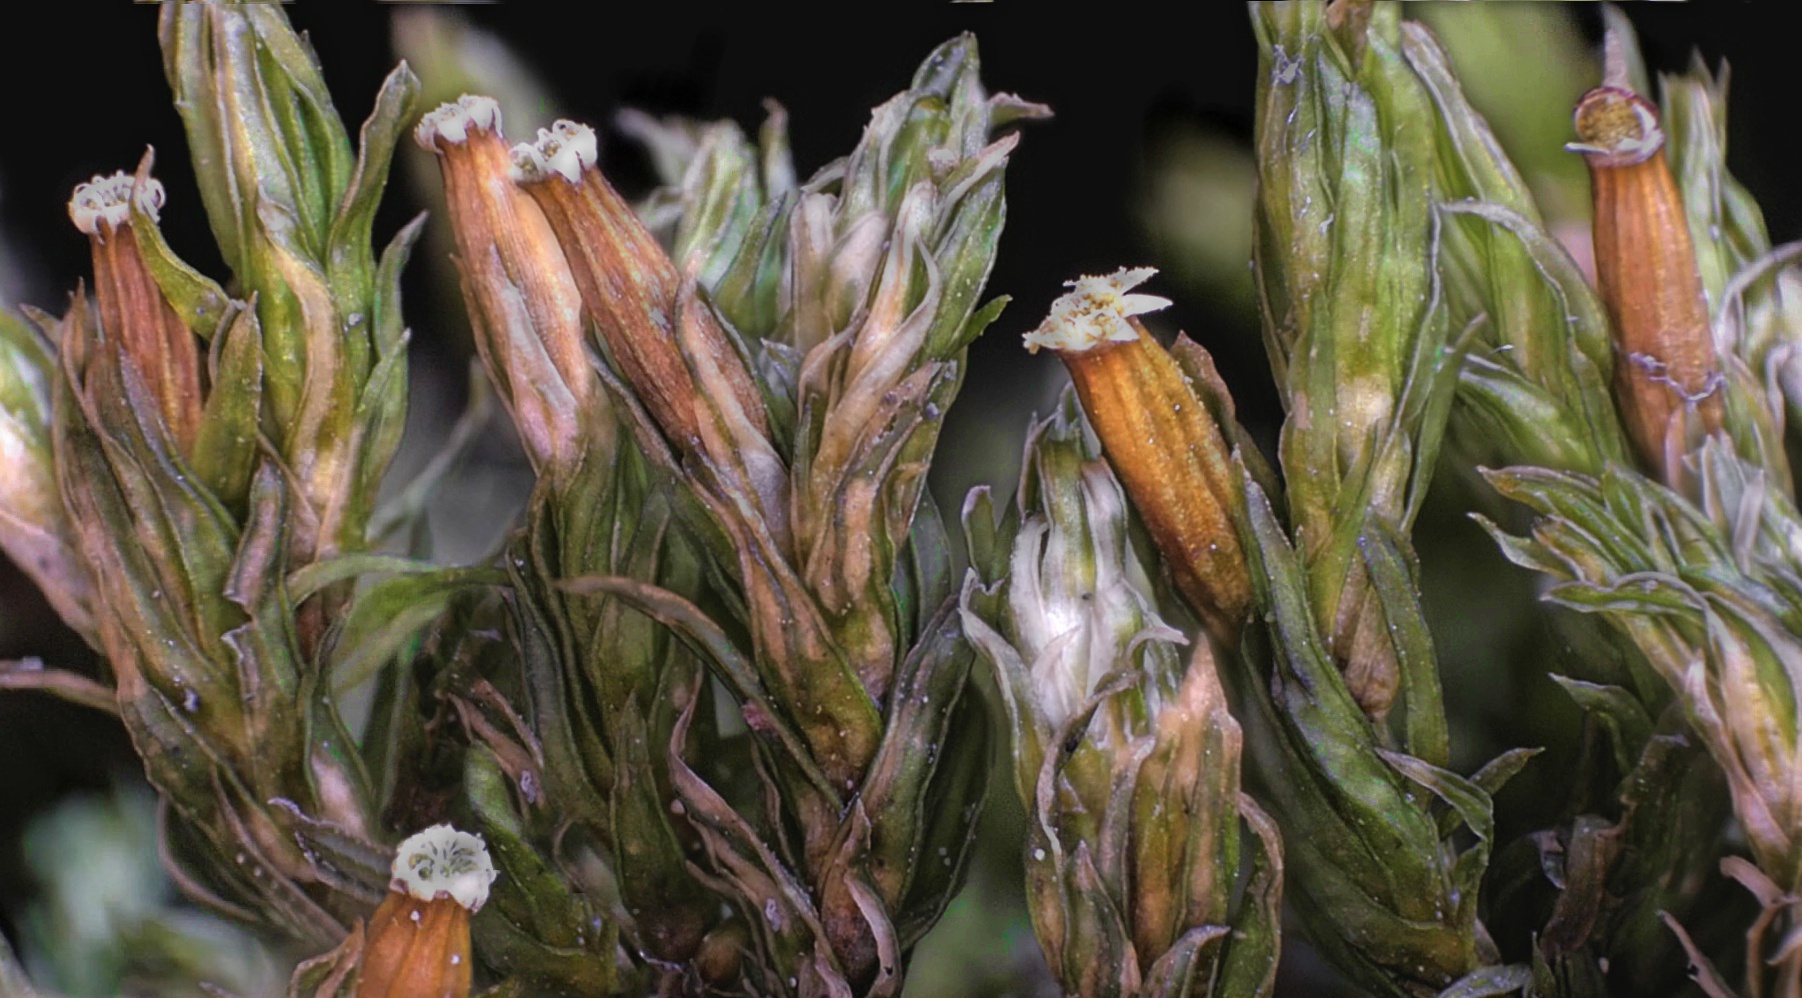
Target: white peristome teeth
{"points": [[1624, 149], [1096, 312], [108, 199], [566, 148], [1635, 148], [1651, 137], [453, 122], [444, 862]]}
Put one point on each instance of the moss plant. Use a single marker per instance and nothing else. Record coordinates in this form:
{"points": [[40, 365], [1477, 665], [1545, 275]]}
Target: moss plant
{"points": [[722, 709]]}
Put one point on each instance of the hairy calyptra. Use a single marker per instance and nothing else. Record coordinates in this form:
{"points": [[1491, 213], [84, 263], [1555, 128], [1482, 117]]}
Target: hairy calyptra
{"points": [[521, 295], [629, 284], [418, 941], [132, 307], [1158, 436], [1666, 381]]}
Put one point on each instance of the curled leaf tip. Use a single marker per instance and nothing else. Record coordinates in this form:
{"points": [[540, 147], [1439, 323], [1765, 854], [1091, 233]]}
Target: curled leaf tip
{"points": [[444, 862], [566, 148], [453, 121], [1096, 312], [108, 199]]}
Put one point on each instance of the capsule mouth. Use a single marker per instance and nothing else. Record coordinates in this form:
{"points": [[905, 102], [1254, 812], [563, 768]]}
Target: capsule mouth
{"points": [[109, 200], [1096, 312], [444, 862], [565, 149], [453, 121], [1616, 127]]}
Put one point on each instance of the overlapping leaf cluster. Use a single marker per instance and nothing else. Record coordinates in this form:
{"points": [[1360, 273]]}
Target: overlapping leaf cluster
{"points": [[189, 507], [711, 704], [1124, 751], [1534, 390], [1358, 332], [821, 777]]}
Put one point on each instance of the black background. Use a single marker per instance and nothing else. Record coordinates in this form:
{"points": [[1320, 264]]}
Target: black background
{"points": [[84, 93]]}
